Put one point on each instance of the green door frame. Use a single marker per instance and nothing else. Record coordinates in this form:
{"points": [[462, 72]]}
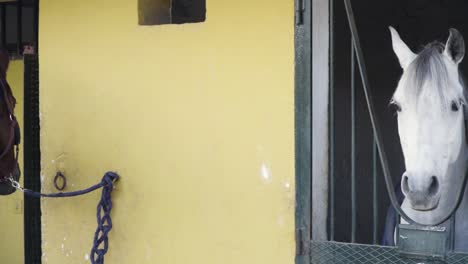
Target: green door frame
{"points": [[311, 123], [303, 132]]}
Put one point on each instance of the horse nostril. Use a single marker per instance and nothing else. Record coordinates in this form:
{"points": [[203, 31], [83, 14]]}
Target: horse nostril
{"points": [[434, 186], [405, 185]]}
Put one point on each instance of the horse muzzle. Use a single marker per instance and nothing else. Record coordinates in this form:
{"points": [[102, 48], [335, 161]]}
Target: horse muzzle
{"points": [[423, 195]]}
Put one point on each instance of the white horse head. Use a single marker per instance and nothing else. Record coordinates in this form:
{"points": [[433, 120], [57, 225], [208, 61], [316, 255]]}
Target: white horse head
{"points": [[431, 105]]}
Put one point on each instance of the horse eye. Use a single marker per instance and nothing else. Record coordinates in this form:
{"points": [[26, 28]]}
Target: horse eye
{"points": [[454, 106]]}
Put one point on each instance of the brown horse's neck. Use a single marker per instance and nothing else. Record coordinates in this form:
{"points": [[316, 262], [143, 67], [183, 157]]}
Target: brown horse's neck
{"points": [[9, 101]]}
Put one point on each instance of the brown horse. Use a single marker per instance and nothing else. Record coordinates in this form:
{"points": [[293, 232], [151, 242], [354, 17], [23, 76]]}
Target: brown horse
{"points": [[9, 130]]}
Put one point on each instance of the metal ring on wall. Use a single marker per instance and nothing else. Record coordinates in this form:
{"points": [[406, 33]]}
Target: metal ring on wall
{"points": [[58, 176]]}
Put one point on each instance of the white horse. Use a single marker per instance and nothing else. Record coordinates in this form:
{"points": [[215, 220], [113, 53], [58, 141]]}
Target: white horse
{"points": [[431, 111]]}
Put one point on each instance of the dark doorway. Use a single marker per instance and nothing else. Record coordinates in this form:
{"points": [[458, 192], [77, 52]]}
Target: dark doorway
{"points": [[418, 22], [32, 160]]}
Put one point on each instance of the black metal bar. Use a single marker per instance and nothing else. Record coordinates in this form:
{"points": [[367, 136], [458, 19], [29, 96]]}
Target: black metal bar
{"points": [[36, 25], [32, 161], [19, 27], [332, 122], [3, 26], [368, 96], [353, 146], [452, 233], [375, 197]]}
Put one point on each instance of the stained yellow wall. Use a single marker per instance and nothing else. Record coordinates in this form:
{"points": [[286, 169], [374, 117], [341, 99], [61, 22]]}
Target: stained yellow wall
{"points": [[197, 119], [11, 206]]}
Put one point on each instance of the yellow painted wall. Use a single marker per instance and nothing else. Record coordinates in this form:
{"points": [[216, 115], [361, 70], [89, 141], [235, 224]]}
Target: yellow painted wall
{"points": [[198, 119], [11, 206]]}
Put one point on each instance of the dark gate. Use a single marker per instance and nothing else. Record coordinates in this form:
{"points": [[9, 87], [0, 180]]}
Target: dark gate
{"points": [[350, 248], [32, 160]]}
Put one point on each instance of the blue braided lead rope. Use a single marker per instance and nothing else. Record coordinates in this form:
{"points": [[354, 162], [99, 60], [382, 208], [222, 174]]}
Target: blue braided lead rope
{"points": [[104, 207]]}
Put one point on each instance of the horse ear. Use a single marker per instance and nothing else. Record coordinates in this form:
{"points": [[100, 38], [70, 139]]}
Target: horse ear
{"points": [[404, 54], [455, 46]]}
